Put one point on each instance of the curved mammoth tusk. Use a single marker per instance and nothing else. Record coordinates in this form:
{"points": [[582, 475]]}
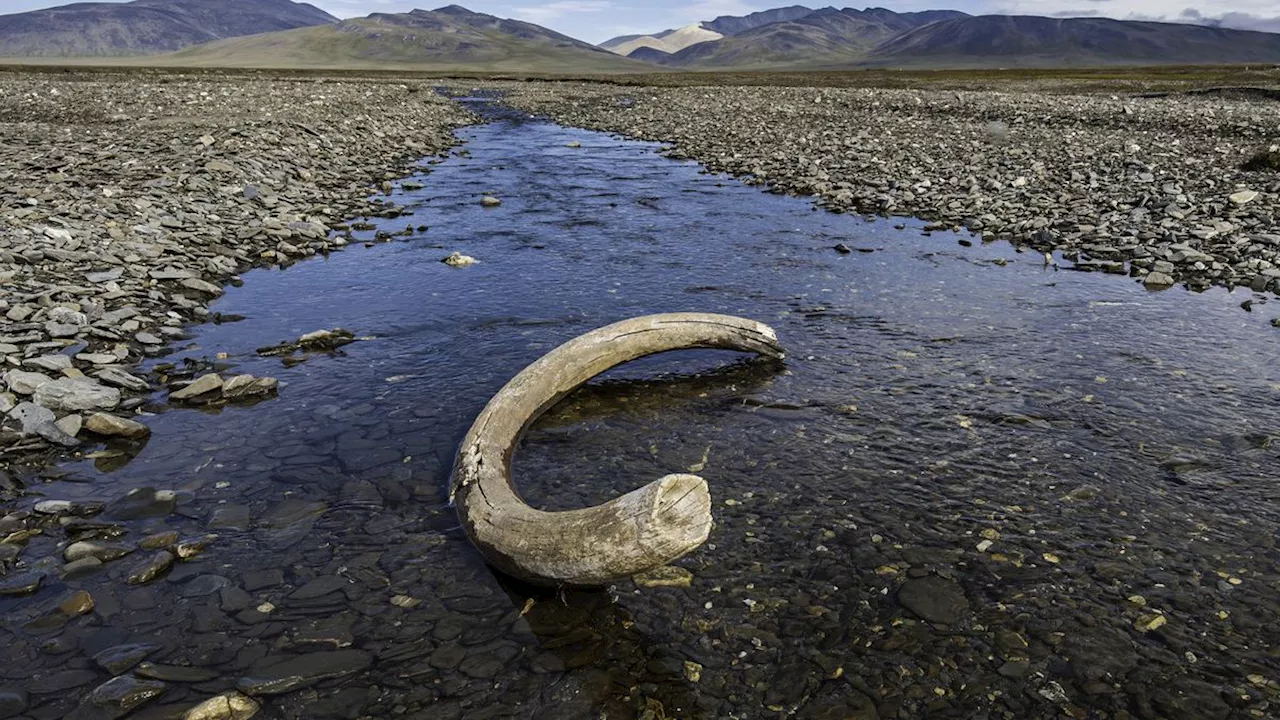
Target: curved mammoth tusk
{"points": [[645, 528]]}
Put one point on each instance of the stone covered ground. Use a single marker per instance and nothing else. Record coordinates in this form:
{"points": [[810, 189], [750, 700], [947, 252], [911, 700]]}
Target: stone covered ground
{"points": [[127, 202], [1149, 186]]}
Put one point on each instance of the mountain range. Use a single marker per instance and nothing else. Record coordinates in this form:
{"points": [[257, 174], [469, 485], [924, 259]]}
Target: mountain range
{"points": [[142, 27], [283, 33], [451, 37]]}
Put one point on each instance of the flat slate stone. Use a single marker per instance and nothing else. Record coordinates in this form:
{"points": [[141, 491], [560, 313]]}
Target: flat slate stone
{"points": [[61, 681], [120, 659], [934, 599], [23, 583], [319, 587], [12, 702], [175, 673], [118, 697], [304, 670]]}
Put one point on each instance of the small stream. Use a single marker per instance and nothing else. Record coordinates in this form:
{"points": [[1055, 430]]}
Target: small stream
{"points": [[980, 487]]}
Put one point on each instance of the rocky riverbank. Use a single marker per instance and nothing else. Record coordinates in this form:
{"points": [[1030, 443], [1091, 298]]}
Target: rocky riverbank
{"points": [[1151, 187], [128, 201]]}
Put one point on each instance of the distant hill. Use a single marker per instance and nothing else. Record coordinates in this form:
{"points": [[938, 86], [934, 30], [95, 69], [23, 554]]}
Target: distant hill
{"points": [[676, 39], [733, 25], [613, 43], [1025, 41], [649, 55], [670, 41], [447, 38], [827, 37], [146, 26]]}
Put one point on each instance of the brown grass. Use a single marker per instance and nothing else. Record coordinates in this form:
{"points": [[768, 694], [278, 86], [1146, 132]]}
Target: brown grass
{"points": [[1128, 80]]}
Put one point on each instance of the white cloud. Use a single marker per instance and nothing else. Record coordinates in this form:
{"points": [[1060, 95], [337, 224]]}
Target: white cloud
{"points": [[712, 9], [1261, 15], [560, 8]]}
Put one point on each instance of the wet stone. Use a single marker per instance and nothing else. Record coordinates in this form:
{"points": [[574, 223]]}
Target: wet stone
{"points": [[233, 599], [81, 568], [200, 390], [189, 548], [143, 503], [89, 529], [934, 599], [118, 697], [334, 635], [120, 659], [302, 671], [141, 599], [319, 587], [1016, 669], [175, 673], [447, 657], [106, 552], [230, 517], [482, 666], [24, 583], [115, 426], [13, 702], [159, 541], [256, 580], [854, 707], [228, 706], [77, 604], [60, 681], [151, 568], [666, 576], [204, 585]]}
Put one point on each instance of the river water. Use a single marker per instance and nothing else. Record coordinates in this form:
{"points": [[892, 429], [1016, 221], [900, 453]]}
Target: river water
{"points": [[979, 486]]}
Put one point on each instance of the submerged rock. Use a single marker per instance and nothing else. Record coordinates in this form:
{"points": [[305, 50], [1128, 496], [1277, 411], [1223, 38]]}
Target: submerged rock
{"points": [[24, 583], [118, 697], [102, 551], [13, 702], [228, 706], [151, 568], [119, 659], [666, 576], [935, 599], [303, 670], [141, 503]]}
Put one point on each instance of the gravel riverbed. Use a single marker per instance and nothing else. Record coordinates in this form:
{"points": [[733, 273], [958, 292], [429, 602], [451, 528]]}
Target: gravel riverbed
{"points": [[1151, 187], [936, 511], [128, 201]]}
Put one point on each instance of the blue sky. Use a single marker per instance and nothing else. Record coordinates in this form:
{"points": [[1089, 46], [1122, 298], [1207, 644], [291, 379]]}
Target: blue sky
{"points": [[599, 20]]}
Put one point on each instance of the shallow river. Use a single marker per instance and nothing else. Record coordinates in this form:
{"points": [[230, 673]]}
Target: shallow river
{"points": [[978, 487]]}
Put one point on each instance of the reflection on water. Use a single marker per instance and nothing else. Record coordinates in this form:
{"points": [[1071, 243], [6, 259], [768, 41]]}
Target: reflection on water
{"points": [[979, 487]]}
